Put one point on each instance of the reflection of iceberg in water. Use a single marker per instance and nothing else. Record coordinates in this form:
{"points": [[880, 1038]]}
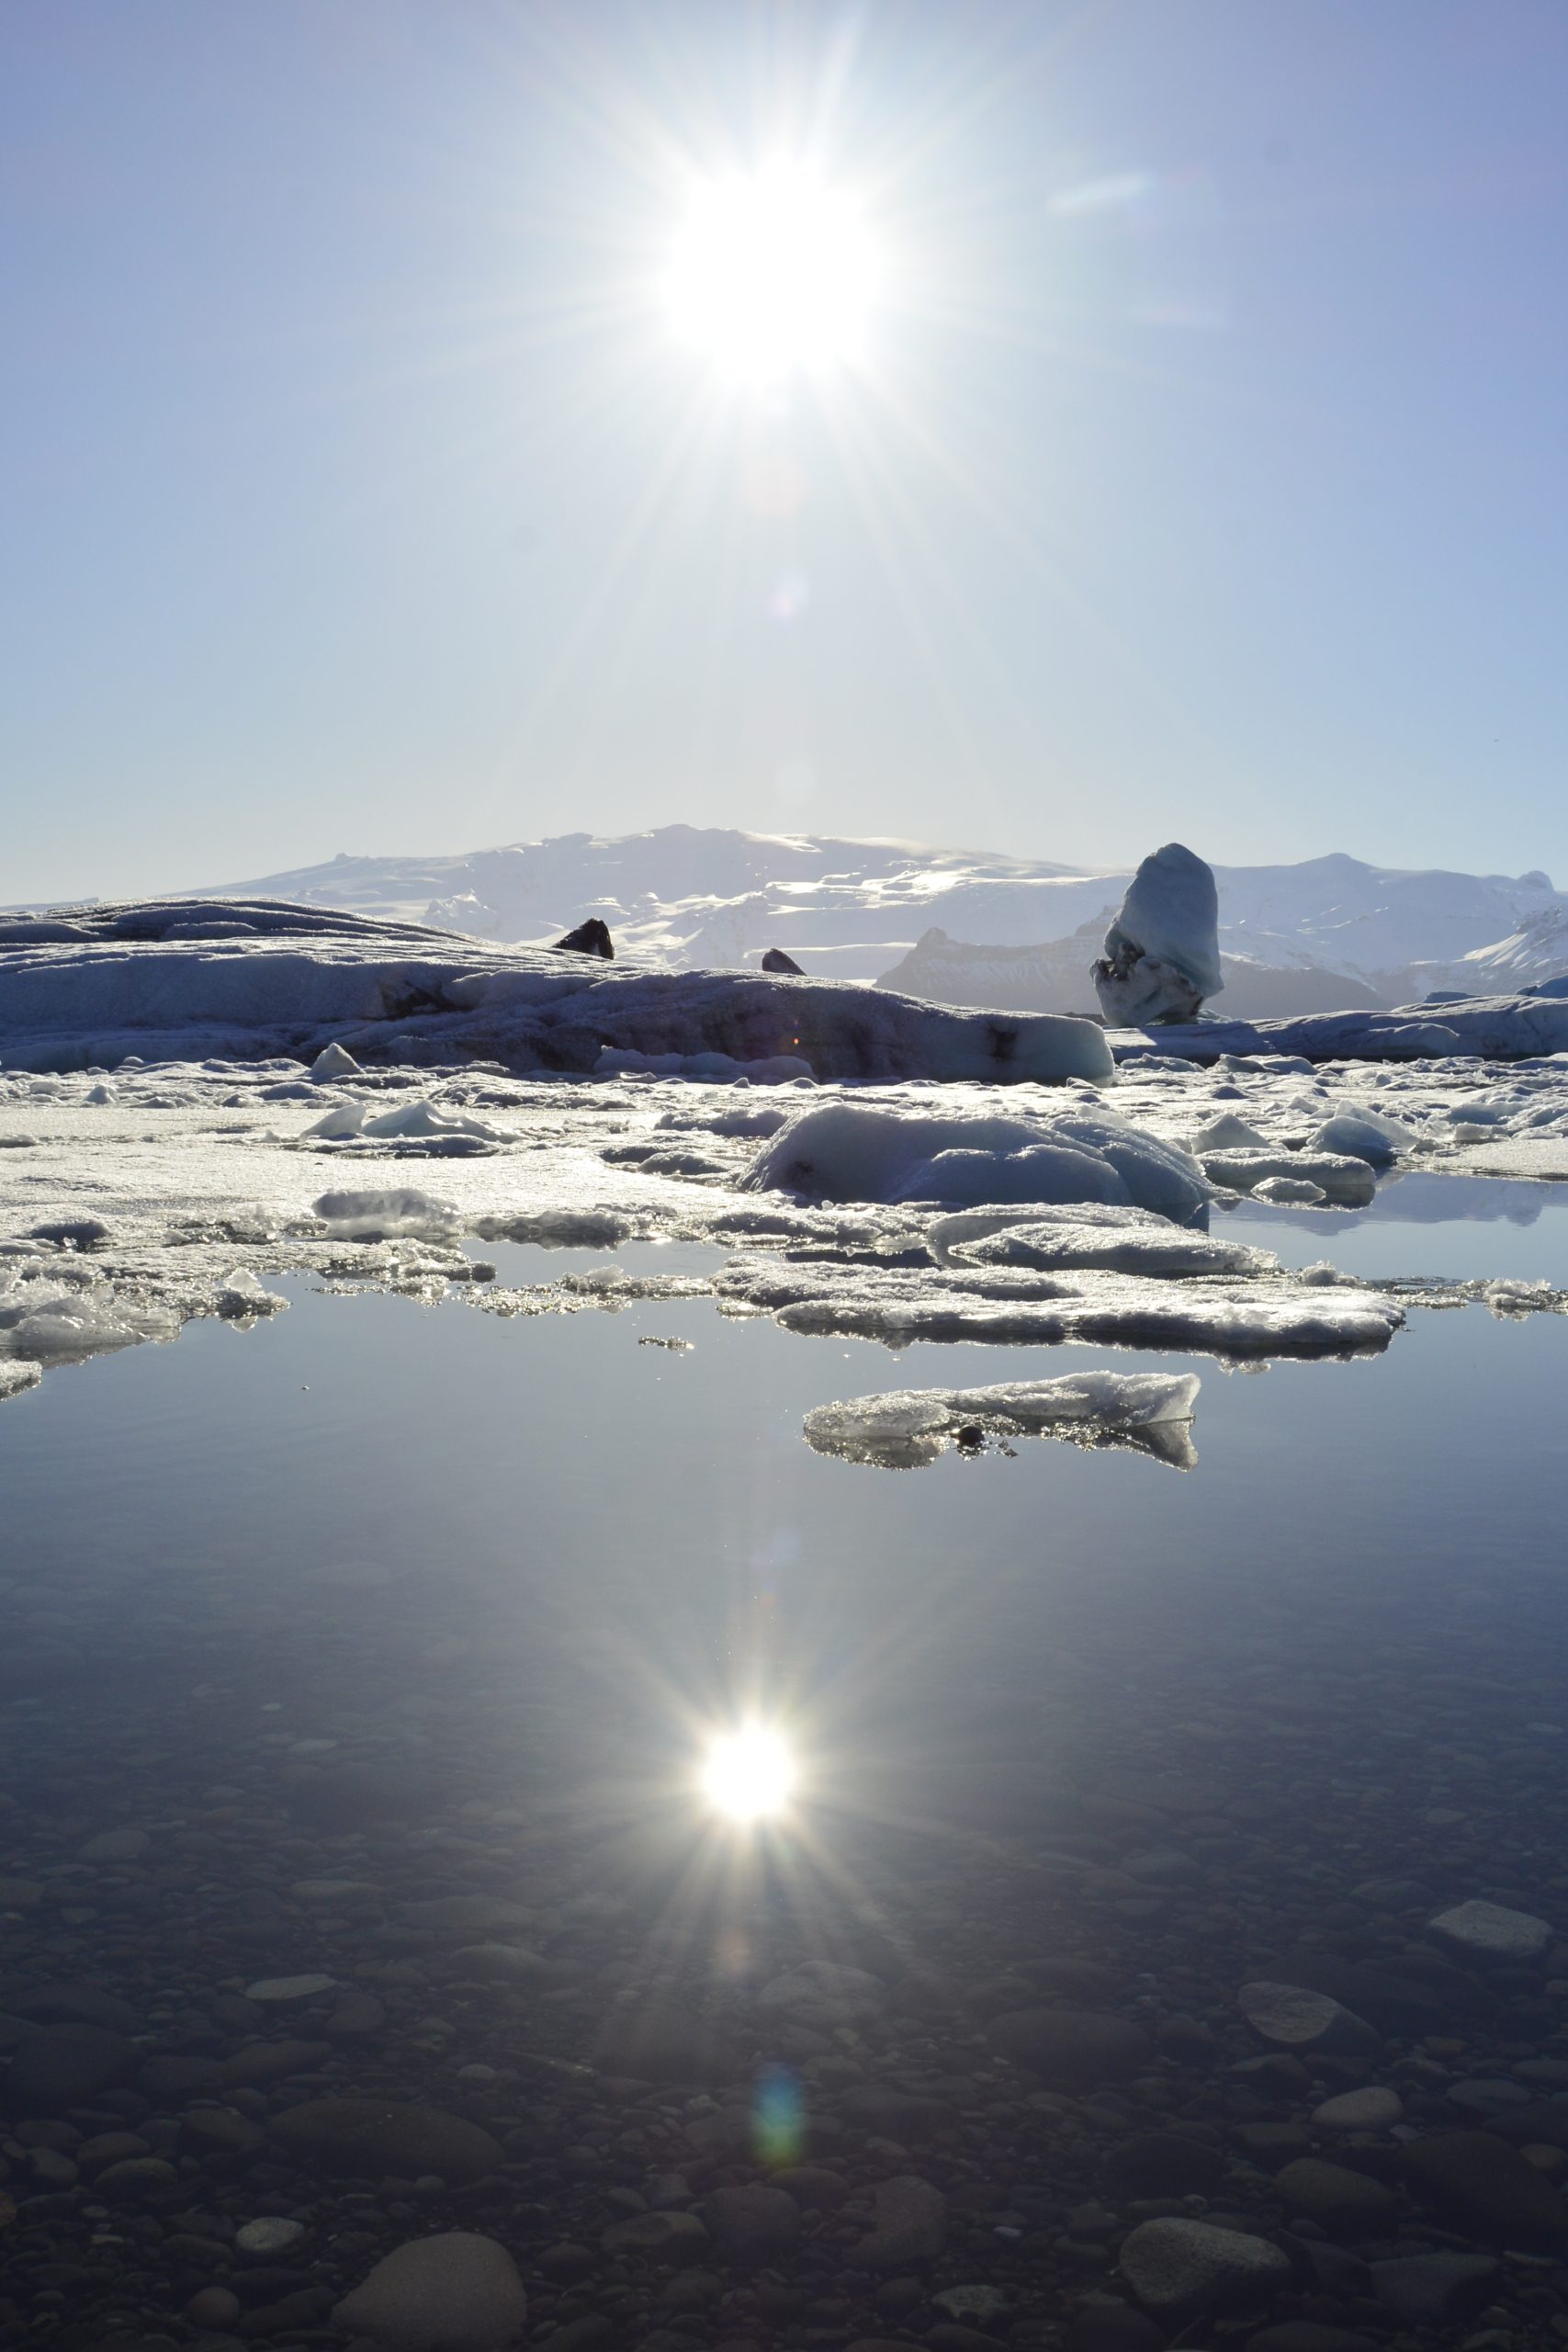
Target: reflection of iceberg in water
{"points": [[1426, 1196], [1150, 1412]]}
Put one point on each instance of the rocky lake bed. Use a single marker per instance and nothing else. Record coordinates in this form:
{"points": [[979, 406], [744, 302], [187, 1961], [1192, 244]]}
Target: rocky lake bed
{"points": [[1169, 1950]]}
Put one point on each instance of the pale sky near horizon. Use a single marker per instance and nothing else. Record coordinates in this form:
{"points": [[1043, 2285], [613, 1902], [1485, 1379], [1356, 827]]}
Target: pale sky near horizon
{"points": [[1203, 468]]}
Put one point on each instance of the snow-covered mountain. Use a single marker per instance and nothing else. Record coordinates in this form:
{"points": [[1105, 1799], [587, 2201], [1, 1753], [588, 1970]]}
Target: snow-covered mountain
{"points": [[1537, 951], [850, 909]]}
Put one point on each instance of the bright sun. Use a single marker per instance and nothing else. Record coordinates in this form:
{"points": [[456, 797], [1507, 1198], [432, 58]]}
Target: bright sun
{"points": [[748, 1774], [772, 273]]}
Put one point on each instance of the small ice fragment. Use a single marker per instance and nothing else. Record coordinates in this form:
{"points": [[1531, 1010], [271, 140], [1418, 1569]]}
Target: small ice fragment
{"points": [[907, 1428], [1289, 1191]]}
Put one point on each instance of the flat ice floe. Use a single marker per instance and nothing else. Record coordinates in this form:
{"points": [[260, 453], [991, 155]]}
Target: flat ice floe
{"points": [[904, 1428], [1282, 1315]]}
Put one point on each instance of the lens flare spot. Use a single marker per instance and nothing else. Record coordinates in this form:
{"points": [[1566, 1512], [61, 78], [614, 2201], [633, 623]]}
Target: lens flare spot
{"points": [[778, 2118], [748, 1774]]}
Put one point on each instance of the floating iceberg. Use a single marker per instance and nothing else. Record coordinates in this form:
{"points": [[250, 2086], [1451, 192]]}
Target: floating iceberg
{"points": [[851, 1152], [907, 1428], [1162, 952]]}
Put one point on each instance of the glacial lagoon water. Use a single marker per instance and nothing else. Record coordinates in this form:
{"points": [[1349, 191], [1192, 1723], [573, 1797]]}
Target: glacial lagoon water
{"points": [[380, 1606]]}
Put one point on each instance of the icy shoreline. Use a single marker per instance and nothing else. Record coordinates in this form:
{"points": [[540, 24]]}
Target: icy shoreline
{"points": [[133, 1203], [961, 1203]]}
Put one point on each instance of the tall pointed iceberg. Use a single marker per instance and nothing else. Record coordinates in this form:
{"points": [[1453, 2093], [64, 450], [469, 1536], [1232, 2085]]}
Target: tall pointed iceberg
{"points": [[1162, 952]]}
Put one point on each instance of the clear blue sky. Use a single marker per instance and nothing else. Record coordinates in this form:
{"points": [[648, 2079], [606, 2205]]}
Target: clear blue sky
{"points": [[1206, 474]]}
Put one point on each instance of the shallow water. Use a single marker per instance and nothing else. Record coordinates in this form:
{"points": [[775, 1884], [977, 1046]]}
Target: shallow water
{"points": [[440, 1601]]}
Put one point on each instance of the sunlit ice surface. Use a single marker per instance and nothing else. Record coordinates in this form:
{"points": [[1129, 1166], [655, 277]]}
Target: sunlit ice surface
{"points": [[772, 272], [750, 1774]]}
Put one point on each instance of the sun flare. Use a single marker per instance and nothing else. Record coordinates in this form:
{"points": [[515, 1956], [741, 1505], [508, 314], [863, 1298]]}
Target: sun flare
{"points": [[750, 1774], [772, 272]]}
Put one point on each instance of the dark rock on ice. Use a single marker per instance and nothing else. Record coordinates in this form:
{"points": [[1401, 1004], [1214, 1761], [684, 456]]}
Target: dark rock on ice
{"points": [[775, 960], [590, 938]]}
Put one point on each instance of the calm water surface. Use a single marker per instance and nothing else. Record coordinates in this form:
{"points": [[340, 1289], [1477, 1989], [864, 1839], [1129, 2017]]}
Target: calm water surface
{"points": [[379, 1603]]}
